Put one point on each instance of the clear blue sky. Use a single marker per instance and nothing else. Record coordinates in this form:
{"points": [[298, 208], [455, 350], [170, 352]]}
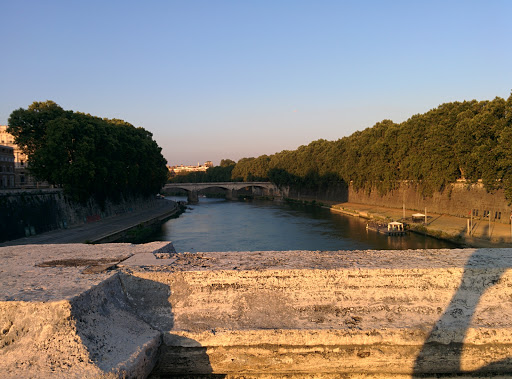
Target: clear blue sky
{"points": [[230, 79]]}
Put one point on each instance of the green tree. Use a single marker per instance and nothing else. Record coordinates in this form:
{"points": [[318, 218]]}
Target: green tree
{"points": [[227, 163], [88, 156], [460, 140]]}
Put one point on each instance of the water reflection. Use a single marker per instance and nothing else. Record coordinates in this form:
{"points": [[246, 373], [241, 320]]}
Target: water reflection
{"points": [[220, 225]]}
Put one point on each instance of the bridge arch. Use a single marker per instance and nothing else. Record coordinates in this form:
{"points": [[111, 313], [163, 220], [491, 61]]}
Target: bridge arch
{"points": [[232, 188]]}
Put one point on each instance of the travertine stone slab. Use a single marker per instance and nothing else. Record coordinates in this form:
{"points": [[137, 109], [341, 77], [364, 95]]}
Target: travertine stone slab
{"points": [[359, 314], [58, 322], [402, 312]]}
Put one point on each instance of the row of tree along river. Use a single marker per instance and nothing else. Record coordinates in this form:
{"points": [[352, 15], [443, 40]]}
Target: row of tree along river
{"points": [[220, 225]]}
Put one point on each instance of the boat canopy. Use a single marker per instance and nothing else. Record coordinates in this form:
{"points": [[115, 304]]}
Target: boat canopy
{"points": [[395, 226]]}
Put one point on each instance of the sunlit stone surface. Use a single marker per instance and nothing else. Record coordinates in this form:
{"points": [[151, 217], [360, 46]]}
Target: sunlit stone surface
{"points": [[128, 310]]}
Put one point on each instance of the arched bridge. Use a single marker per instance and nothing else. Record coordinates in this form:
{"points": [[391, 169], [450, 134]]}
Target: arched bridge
{"points": [[232, 188]]}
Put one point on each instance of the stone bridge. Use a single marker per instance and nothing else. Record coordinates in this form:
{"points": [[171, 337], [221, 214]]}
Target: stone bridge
{"points": [[231, 188]]}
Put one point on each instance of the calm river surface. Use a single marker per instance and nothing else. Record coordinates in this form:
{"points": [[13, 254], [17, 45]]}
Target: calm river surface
{"points": [[220, 225]]}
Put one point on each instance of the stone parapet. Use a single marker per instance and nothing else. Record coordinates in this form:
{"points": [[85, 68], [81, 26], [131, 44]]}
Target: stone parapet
{"points": [[64, 313], [361, 314]]}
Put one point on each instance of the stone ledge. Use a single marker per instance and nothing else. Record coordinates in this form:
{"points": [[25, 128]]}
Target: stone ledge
{"points": [[59, 322], [257, 314]]}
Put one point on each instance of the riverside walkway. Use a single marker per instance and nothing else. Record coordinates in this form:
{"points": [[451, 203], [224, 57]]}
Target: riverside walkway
{"points": [[104, 230], [483, 234]]}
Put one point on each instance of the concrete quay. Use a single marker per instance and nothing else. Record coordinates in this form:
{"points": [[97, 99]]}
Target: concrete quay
{"points": [[121, 310], [483, 233], [105, 230]]}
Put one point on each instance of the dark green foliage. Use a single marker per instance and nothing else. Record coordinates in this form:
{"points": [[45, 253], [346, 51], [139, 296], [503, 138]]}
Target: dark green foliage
{"points": [[88, 156], [469, 140], [219, 173], [191, 177], [215, 174], [252, 169], [227, 163]]}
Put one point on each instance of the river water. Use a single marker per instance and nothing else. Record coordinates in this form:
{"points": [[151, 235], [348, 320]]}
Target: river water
{"points": [[221, 225]]}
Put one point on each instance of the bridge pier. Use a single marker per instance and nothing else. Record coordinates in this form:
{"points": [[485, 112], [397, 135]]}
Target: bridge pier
{"points": [[231, 194], [267, 192], [192, 197]]}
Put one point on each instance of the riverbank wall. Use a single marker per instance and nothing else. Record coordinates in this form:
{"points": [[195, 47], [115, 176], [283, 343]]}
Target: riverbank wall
{"points": [[144, 230], [465, 214], [334, 194], [459, 199], [29, 212], [84, 311]]}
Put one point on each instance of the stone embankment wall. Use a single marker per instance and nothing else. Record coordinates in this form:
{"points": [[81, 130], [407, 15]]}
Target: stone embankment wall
{"points": [[30, 212], [459, 199], [338, 193]]}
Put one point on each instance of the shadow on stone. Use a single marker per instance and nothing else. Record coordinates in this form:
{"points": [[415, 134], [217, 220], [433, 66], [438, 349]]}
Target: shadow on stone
{"points": [[123, 323], [182, 357], [443, 350]]}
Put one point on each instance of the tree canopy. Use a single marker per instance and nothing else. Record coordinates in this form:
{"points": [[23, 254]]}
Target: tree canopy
{"points": [[88, 156], [470, 140], [221, 173]]}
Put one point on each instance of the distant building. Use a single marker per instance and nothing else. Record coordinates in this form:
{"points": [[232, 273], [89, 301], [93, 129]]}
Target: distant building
{"points": [[182, 170], [21, 176], [6, 167]]}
